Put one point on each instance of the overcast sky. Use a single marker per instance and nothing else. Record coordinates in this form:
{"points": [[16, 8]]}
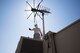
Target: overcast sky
{"points": [[14, 22]]}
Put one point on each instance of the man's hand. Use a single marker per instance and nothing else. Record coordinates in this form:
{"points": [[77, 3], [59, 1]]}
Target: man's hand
{"points": [[29, 28]]}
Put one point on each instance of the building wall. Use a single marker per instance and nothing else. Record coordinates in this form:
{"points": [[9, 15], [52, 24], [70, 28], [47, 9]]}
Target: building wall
{"points": [[28, 45], [18, 49], [68, 39], [65, 41], [48, 43]]}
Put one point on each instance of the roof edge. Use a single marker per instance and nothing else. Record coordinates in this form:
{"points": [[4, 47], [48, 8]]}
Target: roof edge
{"points": [[78, 20]]}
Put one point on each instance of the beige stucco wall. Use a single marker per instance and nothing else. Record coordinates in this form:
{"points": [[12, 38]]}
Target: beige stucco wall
{"points": [[48, 43], [68, 40]]}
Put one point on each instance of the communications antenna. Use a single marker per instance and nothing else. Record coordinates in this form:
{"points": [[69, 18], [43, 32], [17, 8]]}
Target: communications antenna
{"points": [[40, 9]]}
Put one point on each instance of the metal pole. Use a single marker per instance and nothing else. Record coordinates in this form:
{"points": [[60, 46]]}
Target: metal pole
{"points": [[43, 24]]}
